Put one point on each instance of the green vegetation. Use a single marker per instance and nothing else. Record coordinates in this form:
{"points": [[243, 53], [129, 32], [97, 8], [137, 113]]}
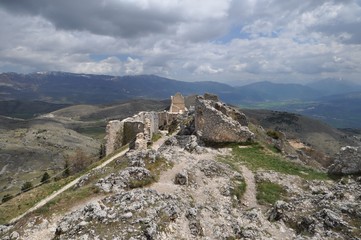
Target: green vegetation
{"points": [[269, 193], [96, 132], [102, 151], [26, 186], [274, 134], [66, 171], [156, 137], [255, 156], [238, 189], [7, 197], [22, 202], [45, 178]]}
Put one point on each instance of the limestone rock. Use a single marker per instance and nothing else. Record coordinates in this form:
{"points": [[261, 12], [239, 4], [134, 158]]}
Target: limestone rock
{"points": [[210, 96], [278, 210], [181, 178], [130, 177], [348, 161], [219, 124]]}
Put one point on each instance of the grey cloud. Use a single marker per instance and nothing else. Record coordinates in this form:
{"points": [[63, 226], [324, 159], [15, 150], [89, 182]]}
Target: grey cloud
{"points": [[104, 18], [179, 40]]}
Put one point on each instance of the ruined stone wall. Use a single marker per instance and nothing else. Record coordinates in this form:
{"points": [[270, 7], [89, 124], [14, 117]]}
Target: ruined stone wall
{"points": [[177, 105], [120, 133], [213, 123], [165, 118], [112, 129]]}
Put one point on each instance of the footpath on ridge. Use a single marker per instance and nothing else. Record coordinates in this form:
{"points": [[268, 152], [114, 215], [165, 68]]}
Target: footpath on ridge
{"points": [[66, 187]]}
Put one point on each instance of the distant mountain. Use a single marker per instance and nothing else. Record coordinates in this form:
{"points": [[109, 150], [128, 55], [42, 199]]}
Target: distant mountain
{"points": [[63, 87], [268, 91], [87, 88], [334, 86]]}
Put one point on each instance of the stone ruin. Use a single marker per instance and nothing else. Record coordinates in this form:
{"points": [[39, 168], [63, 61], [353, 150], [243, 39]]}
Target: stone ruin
{"points": [[137, 130], [178, 104], [213, 122]]}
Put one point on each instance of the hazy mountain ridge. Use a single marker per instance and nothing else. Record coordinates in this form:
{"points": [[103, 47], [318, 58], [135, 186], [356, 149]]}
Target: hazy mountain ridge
{"points": [[330, 100], [88, 88]]}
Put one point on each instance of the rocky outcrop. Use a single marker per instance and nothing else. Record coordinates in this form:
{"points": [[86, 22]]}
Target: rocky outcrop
{"points": [[218, 123], [317, 209], [348, 161]]}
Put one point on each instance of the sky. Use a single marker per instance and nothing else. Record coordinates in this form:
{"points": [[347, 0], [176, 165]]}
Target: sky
{"points": [[230, 41]]}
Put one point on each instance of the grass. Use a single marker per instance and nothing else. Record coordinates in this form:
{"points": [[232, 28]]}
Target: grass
{"points": [[66, 200], [269, 193], [238, 189], [156, 137], [21, 203], [255, 156], [96, 132]]}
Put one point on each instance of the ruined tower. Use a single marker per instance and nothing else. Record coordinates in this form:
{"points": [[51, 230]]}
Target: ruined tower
{"points": [[178, 105]]}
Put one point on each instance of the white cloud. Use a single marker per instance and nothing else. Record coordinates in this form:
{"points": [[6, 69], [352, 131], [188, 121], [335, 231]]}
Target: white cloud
{"points": [[133, 66], [207, 69], [220, 40]]}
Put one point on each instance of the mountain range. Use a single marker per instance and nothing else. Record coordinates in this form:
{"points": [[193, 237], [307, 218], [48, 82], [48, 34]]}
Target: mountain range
{"points": [[336, 101]]}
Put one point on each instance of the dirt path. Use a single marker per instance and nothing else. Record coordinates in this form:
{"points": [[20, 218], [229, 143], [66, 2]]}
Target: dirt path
{"points": [[249, 197], [66, 187]]}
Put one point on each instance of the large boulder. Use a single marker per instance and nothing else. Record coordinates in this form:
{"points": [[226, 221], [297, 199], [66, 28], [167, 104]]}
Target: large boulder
{"points": [[347, 161], [215, 122]]}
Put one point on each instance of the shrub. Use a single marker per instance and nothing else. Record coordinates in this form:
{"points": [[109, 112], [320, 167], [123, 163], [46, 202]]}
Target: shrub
{"points": [[274, 134], [7, 197], [26, 186], [45, 178], [102, 152], [79, 161]]}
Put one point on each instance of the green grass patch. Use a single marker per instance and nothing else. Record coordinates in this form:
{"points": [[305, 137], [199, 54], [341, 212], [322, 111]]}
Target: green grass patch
{"points": [[156, 137], [269, 193], [96, 132], [256, 157]]}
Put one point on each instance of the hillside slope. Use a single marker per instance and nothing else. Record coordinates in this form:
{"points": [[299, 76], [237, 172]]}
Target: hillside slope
{"points": [[313, 131]]}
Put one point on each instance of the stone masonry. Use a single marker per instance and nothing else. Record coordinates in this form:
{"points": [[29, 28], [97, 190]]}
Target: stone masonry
{"points": [[177, 105], [214, 122]]}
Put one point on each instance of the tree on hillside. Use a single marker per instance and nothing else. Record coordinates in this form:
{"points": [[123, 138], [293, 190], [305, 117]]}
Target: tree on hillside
{"points": [[66, 171], [26, 186], [79, 161], [45, 178], [102, 151]]}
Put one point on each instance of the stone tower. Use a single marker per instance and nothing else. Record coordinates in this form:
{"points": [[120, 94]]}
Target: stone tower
{"points": [[178, 105]]}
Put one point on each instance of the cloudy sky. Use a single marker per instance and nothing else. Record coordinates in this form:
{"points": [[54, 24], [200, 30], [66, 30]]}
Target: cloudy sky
{"points": [[232, 41]]}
